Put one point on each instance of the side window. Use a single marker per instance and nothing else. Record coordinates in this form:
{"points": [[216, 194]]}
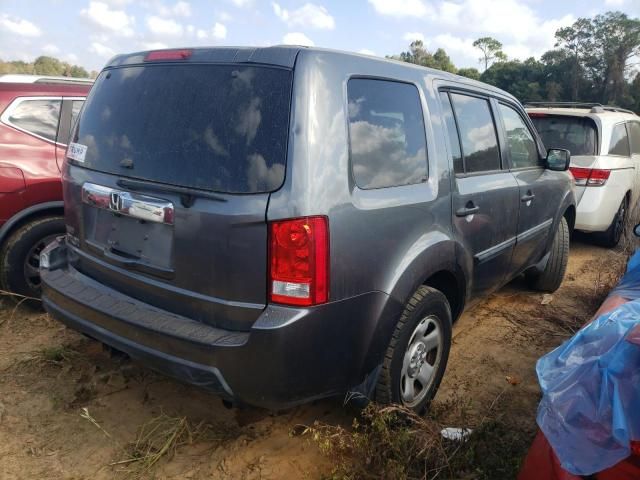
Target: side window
{"points": [[76, 105], [452, 131], [634, 136], [386, 133], [477, 133], [39, 117], [520, 142], [619, 144]]}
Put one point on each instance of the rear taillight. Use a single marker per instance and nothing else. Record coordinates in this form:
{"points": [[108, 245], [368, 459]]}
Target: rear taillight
{"points": [[595, 177], [181, 54], [299, 261], [635, 448]]}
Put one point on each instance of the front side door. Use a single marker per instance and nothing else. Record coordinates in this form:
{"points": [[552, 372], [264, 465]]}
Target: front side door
{"points": [[485, 197], [540, 190]]}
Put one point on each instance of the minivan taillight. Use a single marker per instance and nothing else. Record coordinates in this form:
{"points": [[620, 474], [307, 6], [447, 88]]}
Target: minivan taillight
{"points": [[299, 261], [595, 177]]}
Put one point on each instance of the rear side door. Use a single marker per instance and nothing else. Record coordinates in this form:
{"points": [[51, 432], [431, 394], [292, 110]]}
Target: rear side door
{"points": [[634, 137], [485, 198], [540, 190], [68, 115]]}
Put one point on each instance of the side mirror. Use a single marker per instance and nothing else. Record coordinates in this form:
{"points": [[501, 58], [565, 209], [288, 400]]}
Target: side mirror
{"points": [[558, 159], [636, 230]]}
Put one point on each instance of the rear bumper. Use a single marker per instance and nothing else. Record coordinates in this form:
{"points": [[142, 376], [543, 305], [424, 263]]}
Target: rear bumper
{"points": [[597, 207], [290, 355]]}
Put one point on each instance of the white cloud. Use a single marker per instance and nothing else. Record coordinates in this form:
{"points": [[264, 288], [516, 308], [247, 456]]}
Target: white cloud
{"points": [[219, 31], [297, 38], [154, 45], [412, 36], [72, 57], [366, 51], [102, 16], [164, 26], [401, 8], [51, 49], [19, 26], [615, 3], [179, 9], [191, 29], [513, 22], [309, 15], [101, 50], [242, 3], [452, 44]]}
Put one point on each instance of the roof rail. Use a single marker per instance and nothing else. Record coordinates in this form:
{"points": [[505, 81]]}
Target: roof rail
{"points": [[611, 108], [596, 107], [562, 104], [22, 78]]}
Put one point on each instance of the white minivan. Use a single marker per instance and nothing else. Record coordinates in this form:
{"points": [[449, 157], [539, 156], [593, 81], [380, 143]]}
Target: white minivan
{"points": [[604, 143]]}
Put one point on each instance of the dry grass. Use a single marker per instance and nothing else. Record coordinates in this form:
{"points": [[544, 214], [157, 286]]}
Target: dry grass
{"points": [[394, 443], [57, 356], [160, 438]]}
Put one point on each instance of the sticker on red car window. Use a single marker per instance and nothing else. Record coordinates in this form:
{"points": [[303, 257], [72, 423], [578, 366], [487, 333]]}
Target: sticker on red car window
{"points": [[76, 151]]}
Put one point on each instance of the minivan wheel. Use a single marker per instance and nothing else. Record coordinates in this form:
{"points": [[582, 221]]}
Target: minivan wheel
{"points": [[551, 277], [20, 256], [417, 355], [611, 237]]}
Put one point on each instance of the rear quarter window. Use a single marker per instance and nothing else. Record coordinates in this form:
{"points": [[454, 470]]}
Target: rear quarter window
{"points": [[619, 144], [386, 133], [39, 117]]}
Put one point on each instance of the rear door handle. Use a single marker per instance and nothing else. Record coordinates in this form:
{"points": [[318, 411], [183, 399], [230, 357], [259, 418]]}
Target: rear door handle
{"points": [[469, 209], [528, 197]]}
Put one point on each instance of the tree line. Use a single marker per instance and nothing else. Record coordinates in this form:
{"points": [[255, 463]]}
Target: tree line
{"points": [[595, 60], [45, 65]]}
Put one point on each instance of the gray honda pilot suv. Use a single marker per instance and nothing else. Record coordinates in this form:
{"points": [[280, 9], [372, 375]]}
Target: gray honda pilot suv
{"points": [[283, 224]]}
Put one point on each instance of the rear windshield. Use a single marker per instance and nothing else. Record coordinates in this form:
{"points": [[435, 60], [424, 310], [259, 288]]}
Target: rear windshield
{"points": [[576, 134], [222, 128]]}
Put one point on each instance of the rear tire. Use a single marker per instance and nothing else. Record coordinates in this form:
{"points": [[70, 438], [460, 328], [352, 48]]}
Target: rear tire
{"points": [[551, 277], [417, 355], [20, 256], [611, 237]]}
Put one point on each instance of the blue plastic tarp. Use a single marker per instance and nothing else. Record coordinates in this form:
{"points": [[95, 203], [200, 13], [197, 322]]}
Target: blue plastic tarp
{"points": [[590, 409]]}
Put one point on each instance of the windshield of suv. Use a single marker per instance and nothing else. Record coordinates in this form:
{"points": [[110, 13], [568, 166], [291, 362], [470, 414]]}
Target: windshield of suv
{"points": [[222, 128], [576, 134]]}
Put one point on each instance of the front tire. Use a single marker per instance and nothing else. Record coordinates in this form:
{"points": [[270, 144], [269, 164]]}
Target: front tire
{"points": [[20, 256], [551, 277], [417, 355]]}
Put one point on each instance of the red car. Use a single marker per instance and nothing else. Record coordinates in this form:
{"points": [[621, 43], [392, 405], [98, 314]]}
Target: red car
{"points": [[36, 116]]}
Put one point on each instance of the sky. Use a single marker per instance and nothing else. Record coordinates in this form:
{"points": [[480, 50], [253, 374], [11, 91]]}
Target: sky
{"points": [[88, 32]]}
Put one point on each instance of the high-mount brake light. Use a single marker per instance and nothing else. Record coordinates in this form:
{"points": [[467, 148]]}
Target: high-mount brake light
{"points": [[158, 55], [299, 261], [594, 177]]}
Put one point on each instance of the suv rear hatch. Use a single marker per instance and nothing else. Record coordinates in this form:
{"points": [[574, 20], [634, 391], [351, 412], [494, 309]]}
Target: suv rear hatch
{"points": [[577, 134], [167, 184]]}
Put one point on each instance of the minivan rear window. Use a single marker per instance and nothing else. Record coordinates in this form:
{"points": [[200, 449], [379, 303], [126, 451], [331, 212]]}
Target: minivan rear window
{"points": [[576, 134], [221, 128]]}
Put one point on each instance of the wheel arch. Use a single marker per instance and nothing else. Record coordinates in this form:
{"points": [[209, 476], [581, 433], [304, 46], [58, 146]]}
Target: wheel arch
{"points": [[28, 214], [435, 266]]}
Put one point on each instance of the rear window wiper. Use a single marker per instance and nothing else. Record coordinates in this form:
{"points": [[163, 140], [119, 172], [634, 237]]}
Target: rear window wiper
{"points": [[187, 195]]}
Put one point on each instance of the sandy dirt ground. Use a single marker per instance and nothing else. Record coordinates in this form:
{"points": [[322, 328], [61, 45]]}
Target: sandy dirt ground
{"points": [[68, 410]]}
